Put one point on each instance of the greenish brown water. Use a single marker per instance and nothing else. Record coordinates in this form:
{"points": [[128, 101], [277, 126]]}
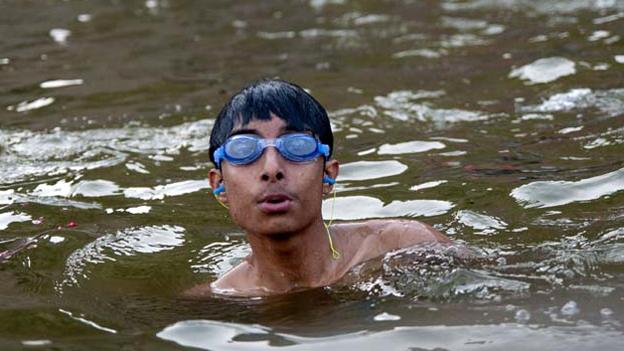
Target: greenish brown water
{"points": [[501, 123]]}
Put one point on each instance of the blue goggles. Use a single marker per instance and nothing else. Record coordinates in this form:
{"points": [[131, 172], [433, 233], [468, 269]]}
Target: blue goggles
{"points": [[246, 148]]}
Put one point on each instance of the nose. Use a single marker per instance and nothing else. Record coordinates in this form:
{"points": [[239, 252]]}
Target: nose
{"points": [[272, 164]]}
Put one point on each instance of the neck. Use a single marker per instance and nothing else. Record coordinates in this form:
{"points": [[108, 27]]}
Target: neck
{"points": [[283, 262]]}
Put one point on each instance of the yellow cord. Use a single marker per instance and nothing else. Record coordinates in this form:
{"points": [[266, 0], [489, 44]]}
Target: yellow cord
{"points": [[335, 254], [221, 203]]}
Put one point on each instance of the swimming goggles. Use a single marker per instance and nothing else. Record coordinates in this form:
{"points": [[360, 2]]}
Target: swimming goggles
{"points": [[246, 148]]}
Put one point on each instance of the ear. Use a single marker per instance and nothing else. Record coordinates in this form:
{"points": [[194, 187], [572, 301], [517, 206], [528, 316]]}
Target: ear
{"points": [[216, 179], [331, 170]]}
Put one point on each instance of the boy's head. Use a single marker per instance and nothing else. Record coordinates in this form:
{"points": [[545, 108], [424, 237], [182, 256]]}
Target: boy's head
{"points": [[274, 193], [299, 110]]}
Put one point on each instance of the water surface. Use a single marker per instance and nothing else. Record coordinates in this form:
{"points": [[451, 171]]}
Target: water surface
{"points": [[500, 123]]}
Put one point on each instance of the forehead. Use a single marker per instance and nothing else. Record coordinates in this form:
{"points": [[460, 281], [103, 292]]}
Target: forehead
{"points": [[264, 127]]}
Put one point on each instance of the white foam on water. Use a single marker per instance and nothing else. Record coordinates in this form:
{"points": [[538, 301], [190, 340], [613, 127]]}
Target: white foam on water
{"points": [[544, 194], [544, 70], [363, 207], [619, 58]]}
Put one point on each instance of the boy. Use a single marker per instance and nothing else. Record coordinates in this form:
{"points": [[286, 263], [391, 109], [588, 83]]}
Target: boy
{"points": [[271, 145]]}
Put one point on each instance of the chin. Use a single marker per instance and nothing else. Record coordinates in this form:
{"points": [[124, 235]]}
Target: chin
{"points": [[278, 228]]}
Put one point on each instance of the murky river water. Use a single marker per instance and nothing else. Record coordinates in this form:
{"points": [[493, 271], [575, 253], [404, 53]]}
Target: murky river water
{"points": [[501, 123]]}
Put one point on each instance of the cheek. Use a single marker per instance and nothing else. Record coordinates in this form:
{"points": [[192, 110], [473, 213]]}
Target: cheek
{"points": [[308, 184]]}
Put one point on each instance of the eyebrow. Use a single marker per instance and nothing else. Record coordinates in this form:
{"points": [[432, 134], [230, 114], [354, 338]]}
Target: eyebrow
{"points": [[255, 132]]}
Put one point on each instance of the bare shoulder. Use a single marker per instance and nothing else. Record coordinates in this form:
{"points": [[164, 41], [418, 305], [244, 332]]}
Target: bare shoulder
{"points": [[405, 232], [232, 281], [376, 237]]}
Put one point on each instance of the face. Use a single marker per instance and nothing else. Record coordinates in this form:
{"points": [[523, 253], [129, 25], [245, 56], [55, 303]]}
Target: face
{"points": [[273, 195]]}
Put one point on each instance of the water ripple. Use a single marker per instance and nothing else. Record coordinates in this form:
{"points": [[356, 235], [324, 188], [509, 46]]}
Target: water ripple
{"points": [[128, 242], [609, 102], [401, 105], [27, 153]]}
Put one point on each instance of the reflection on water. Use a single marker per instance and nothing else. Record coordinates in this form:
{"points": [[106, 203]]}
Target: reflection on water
{"points": [[212, 335], [364, 170], [362, 207], [498, 122], [544, 70], [558, 193]]}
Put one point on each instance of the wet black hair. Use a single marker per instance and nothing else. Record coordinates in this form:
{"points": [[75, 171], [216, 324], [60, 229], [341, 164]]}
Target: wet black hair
{"points": [[286, 100]]}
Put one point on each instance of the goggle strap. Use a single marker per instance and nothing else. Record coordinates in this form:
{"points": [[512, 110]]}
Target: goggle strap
{"points": [[219, 155]]}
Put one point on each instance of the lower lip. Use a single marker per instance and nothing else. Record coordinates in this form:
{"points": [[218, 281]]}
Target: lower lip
{"points": [[275, 207]]}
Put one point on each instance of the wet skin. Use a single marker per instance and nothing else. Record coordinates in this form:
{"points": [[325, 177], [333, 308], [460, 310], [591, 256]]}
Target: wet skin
{"points": [[278, 204]]}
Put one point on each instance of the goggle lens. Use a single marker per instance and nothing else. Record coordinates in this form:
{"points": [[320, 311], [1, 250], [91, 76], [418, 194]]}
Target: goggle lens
{"points": [[244, 149]]}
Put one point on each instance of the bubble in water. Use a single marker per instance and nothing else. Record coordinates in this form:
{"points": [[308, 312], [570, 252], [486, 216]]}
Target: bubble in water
{"points": [[570, 309], [522, 316]]}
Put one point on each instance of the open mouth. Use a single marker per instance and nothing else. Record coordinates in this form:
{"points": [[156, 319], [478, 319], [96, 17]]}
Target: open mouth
{"points": [[275, 203]]}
